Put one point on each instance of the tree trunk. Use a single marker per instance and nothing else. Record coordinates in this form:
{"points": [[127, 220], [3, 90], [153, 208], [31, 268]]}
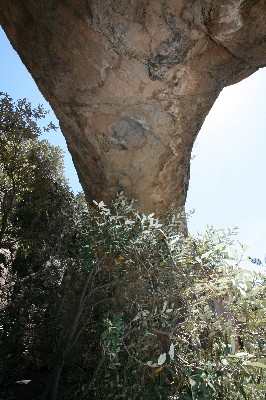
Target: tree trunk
{"points": [[55, 380], [51, 388], [6, 209]]}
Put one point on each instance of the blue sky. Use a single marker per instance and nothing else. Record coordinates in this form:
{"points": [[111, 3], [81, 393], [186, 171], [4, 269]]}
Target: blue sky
{"points": [[227, 186]]}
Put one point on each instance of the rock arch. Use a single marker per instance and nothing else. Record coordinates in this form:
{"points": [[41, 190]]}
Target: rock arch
{"points": [[131, 82]]}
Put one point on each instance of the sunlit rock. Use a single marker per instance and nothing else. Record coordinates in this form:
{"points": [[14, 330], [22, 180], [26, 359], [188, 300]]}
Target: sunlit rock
{"points": [[132, 82]]}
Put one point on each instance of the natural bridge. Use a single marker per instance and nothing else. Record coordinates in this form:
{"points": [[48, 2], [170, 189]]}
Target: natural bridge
{"points": [[131, 82]]}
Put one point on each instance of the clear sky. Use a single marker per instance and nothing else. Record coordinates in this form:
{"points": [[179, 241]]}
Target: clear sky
{"points": [[227, 186]]}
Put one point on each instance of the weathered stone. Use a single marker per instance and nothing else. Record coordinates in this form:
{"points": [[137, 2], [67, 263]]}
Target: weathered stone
{"points": [[132, 82]]}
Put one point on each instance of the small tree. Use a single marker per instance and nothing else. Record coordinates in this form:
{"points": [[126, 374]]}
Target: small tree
{"points": [[37, 213], [22, 157]]}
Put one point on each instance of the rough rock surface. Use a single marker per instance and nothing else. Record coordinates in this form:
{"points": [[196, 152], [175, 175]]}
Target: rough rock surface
{"points": [[132, 81]]}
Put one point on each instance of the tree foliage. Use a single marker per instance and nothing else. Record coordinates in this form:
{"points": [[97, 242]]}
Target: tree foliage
{"points": [[37, 214], [25, 161], [107, 303], [182, 320]]}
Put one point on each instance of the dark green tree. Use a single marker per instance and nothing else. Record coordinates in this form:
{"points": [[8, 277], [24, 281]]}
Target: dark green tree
{"points": [[23, 158], [37, 217]]}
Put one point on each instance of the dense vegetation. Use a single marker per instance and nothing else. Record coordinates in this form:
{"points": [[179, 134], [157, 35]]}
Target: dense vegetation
{"points": [[107, 303]]}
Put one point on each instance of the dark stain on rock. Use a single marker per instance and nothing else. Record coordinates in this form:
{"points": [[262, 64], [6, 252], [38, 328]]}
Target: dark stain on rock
{"points": [[128, 134], [170, 52]]}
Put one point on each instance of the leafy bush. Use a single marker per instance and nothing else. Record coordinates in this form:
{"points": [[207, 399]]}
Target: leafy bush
{"points": [[182, 319], [140, 311]]}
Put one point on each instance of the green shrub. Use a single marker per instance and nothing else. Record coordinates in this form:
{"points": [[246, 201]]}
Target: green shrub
{"points": [[181, 318]]}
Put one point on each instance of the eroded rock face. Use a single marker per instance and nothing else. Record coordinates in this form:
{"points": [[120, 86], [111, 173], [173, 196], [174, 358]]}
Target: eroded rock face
{"points": [[132, 81]]}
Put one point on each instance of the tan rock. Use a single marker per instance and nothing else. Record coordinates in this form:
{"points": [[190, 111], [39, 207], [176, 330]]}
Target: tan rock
{"points": [[132, 82]]}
